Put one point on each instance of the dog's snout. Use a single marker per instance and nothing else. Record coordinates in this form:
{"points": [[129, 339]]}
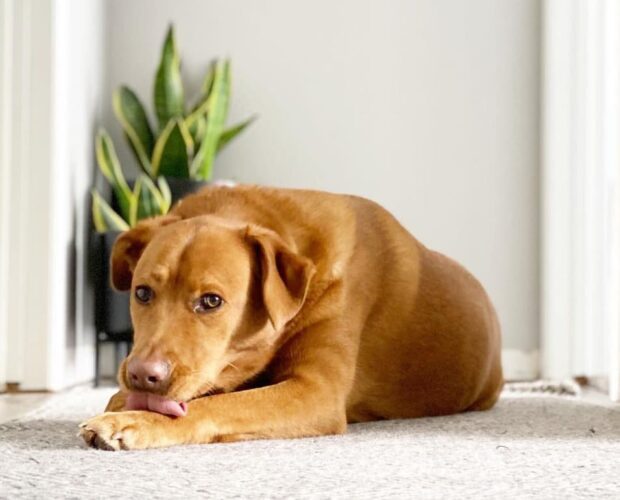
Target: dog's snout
{"points": [[148, 374]]}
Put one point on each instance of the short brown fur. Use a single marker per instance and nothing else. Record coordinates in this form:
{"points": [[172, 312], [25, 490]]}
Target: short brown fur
{"points": [[333, 313]]}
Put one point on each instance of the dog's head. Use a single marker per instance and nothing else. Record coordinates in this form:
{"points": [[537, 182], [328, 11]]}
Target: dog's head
{"points": [[209, 299]]}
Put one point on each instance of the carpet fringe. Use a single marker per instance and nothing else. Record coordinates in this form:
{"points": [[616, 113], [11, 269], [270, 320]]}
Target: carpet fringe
{"points": [[561, 388]]}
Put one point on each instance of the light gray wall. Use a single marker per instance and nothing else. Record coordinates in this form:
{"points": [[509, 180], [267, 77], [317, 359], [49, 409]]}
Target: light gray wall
{"points": [[428, 107]]}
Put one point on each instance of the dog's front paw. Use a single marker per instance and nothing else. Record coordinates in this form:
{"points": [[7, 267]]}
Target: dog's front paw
{"points": [[128, 430]]}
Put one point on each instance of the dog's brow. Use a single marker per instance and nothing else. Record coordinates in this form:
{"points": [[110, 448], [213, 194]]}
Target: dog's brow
{"points": [[207, 285], [160, 274]]}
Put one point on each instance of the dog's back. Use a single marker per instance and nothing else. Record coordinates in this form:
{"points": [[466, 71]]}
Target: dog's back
{"points": [[424, 334]]}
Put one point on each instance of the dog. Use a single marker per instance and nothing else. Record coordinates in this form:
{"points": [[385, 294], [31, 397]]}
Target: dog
{"points": [[280, 313]]}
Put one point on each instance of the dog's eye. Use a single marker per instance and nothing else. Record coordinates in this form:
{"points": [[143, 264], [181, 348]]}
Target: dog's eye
{"points": [[144, 294], [208, 302]]}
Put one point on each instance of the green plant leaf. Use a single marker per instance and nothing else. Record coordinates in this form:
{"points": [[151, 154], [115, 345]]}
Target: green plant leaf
{"points": [[202, 165], [172, 151], [104, 218], [111, 169], [207, 82], [197, 129], [202, 107], [157, 203], [230, 133], [147, 200], [164, 189], [131, 115], [168, 92], [134, 202]]}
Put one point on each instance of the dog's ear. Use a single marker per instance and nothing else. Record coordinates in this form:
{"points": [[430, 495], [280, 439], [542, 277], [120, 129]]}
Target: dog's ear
{"points": [[284, 275], [129, 246]]}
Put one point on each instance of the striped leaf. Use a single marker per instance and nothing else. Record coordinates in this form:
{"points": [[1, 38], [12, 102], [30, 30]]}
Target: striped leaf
{"points": [[104, 217], [147, 200], [164, 189], [131, 115], [202, 107], [168, 92], [230, 133], [207, 82], [202, 165], [157, 200], [135, 202], [197, 129], [111, 169], [172, 151]]}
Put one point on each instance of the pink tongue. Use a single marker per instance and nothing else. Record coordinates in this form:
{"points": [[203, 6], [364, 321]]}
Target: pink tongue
{"points": [[158, 404]]}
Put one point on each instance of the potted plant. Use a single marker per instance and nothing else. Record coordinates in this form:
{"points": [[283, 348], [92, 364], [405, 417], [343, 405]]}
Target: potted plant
{"points": [[131, 204], [175, 156], [186, 139]]}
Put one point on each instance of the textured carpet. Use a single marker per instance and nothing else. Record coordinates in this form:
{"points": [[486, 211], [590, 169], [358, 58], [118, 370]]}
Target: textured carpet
{"points": [[532, 444]]}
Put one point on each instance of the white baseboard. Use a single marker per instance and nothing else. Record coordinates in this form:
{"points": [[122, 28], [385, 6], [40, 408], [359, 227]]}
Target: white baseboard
{"points": [[520, 365]]}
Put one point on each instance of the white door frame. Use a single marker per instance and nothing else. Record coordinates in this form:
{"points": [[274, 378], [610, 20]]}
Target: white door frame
{"points": [[611, 155], [51, 91], [26, 180], [580, 215], [6, 53]]}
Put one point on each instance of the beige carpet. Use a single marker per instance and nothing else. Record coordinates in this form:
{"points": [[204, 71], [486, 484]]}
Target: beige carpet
{"points": [[532, 445]]}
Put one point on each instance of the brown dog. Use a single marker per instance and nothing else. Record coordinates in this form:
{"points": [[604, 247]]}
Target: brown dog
{"points": [[274, 313]]}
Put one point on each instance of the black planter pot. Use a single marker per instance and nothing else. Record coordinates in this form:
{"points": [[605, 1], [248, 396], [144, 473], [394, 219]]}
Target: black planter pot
{"points": [[179, 187], [112, 318]]}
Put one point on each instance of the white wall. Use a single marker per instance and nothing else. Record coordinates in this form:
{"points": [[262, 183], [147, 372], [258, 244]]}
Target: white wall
{"points": [[429, 107], [26, 177], [581, 192], [6, 61]]}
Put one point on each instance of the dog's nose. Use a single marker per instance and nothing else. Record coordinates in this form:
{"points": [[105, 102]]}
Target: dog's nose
{"points": [[148, 374]]}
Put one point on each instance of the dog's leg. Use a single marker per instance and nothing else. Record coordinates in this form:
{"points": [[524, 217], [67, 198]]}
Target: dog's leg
{"points": [[292, 408], [308, 400]]}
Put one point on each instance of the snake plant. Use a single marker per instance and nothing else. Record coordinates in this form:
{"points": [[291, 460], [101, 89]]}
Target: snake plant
{"points": [[145, 199], [185, 140]]}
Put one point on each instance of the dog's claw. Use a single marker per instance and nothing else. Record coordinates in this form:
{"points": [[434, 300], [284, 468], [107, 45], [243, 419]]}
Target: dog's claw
{"points": [[88, 436]]}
